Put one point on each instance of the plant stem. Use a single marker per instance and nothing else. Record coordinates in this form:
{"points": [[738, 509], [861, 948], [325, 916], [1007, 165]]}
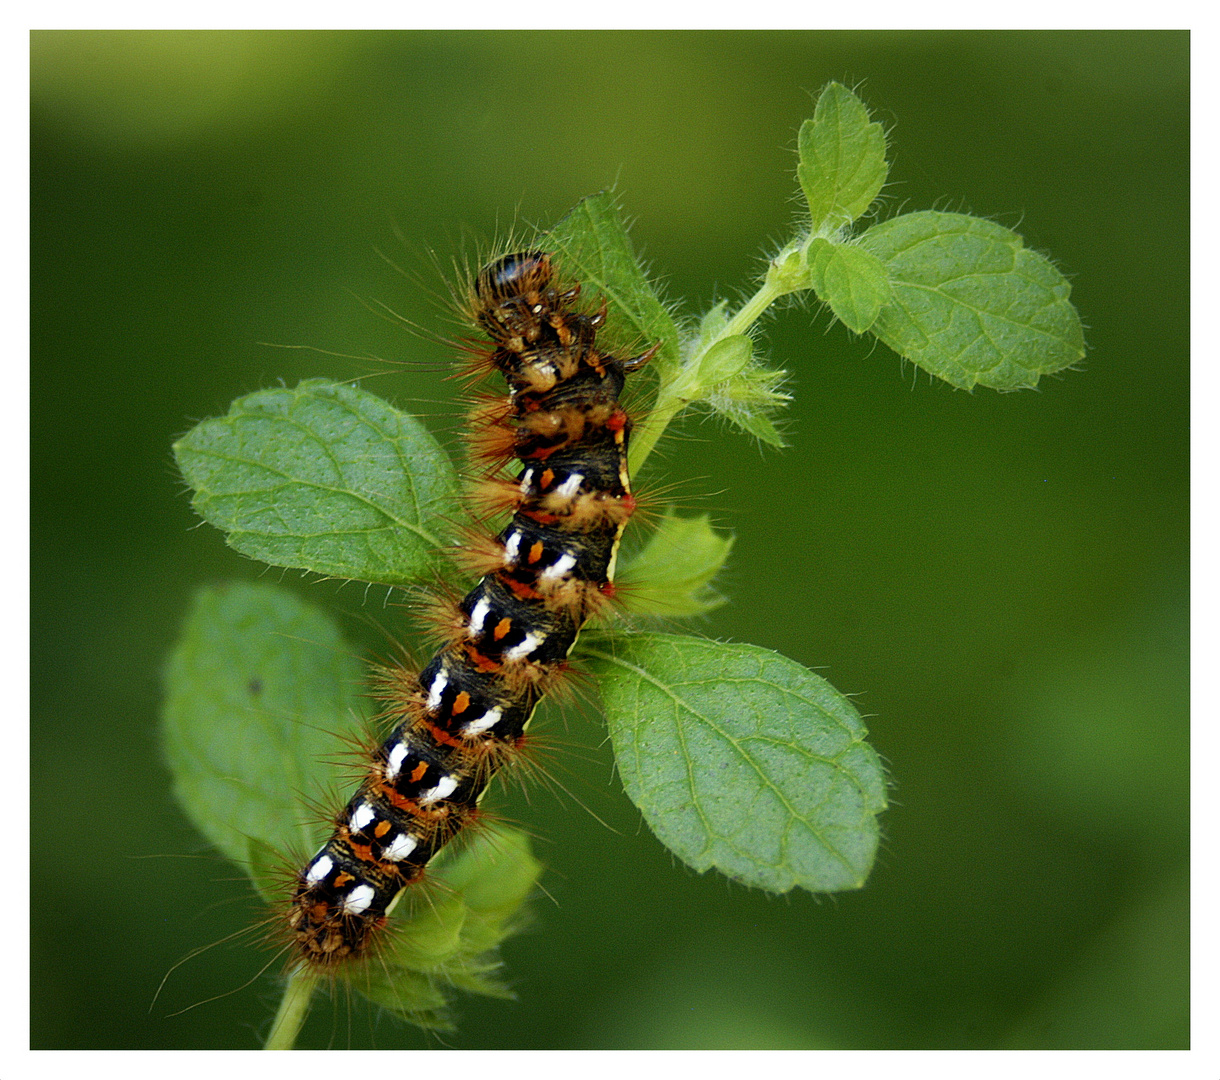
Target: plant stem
{"points": [[294, 1007], [751, 311], [682, 389], [652, 427]]}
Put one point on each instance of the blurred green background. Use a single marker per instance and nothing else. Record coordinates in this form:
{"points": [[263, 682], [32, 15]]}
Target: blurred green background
{"points": [[1000, 579]]}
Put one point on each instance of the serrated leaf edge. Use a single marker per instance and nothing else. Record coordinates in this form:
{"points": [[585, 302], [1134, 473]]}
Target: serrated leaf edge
{"points": [[767, 782]]}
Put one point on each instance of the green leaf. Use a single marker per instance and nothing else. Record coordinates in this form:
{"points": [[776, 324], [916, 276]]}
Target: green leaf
{"points": [[711, 326], [672, 574], [750, 399], [594, 249], [448, 935], [326, 478], [842, 160], [851, 280], [494, 872], [257, 688], [727, 358], [971, 304], [741, 759], [265, 865]]}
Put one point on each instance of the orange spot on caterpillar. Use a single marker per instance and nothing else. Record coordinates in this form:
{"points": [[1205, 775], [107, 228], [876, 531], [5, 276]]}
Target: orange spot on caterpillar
{"points": [[483, 663], [542, 519], [520, 589], [539, 343], [401, 802], [442, 736]]}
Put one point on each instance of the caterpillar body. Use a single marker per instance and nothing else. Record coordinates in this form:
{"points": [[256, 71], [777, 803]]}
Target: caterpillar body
{"points": [[463, 716]]}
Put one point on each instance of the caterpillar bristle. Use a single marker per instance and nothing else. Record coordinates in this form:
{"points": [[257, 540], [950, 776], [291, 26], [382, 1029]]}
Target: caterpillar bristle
{"points": [[476, 362], [490, 445], [504, 646], [478, 553], [484, 409], [439, 614], [394, 683], [492, 496]]}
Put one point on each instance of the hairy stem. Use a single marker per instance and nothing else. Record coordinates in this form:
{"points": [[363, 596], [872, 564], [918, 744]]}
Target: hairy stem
{"points": [[674, 395]]}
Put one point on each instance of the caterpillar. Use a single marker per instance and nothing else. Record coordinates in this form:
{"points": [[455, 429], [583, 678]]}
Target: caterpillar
{"points": [[465, 713]]}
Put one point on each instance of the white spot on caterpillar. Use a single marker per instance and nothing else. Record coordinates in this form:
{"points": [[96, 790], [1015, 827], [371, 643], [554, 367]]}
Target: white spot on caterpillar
{"points": [[519, 652], [357, 901], [558, 568], [511, 548], [527, 480], [445, 787], [436, 689], [320, 869], [570, 486], [477, 617], [402, 846], [489, 719], [362, 816], [398, 754]]}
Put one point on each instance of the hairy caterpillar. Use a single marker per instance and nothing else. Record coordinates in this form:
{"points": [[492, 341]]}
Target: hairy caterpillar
{"points": [[465, 713], [738, 758]]}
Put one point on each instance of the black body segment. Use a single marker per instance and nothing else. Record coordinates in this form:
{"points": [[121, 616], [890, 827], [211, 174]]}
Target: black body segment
{"points": [[467, 710]]}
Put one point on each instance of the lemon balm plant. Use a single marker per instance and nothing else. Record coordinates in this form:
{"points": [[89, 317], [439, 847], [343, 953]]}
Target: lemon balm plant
{"points": [[738, 758]]}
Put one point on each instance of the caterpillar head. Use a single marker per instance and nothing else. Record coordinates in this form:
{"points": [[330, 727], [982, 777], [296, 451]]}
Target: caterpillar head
{"points": [[514, 297]]}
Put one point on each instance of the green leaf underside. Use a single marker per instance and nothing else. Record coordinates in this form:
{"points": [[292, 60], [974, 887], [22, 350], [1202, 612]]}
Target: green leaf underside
{"points": [[851, 280], [732, 383], [842, 165], [672, 574], [259, 688], [741, 759], [749, 399], [595, 250], [446, 933], [325, 478], [726, 359], [712, 325], [971, 304]]}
